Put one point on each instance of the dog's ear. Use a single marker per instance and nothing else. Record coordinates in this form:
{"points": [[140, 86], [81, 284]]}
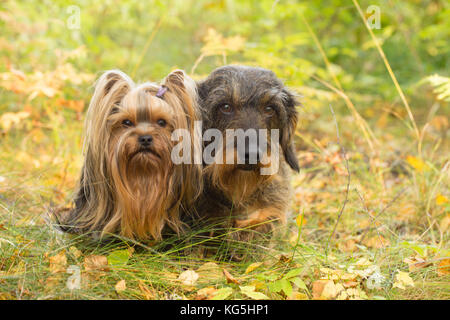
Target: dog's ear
{"points": [[112, 85], [175, 79], [288, 132], [184, 88], [179, 83], [110, 89]]}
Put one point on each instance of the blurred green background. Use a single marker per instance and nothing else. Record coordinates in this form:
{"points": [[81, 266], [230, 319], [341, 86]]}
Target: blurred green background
{"points": [[149, 38]]}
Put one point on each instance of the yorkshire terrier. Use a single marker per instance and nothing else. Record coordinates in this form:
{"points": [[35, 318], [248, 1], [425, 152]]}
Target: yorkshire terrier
{"points": [[241, 97], [129, 184]]}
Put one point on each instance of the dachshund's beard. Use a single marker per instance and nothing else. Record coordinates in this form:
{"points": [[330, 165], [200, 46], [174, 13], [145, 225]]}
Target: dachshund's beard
{"points": [[237, 181]]}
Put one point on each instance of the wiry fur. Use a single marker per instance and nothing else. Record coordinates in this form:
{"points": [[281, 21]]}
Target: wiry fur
{"points": [[240, 192], [125, 189]]}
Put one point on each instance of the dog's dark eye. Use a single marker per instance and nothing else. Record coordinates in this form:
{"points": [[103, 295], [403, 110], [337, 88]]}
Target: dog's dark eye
{"points": [[127, 123], [269, 110], [226, 109], [161, 122]]}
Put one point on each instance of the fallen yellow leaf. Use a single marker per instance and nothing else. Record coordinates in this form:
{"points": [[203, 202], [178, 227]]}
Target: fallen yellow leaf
{"points": [[252, 267], [8, 119], [230, 278], [58, 262], [206, 293], [403, 280], [298, 296], [440, 199], [188, 277], [377, 242], [330, 290], [208, 272], [347, 245], [121, 286], [75, 252], [416, 263], [95, 262], [443, 267], [416, 163], [317, 288]]}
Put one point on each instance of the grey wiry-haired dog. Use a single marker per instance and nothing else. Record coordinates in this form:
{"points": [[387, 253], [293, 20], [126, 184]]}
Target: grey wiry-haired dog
{"points": [[240, 97]]}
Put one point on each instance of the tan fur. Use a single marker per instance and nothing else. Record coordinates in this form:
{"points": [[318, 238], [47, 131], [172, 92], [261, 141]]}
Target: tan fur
{"points": [[124, 190]]}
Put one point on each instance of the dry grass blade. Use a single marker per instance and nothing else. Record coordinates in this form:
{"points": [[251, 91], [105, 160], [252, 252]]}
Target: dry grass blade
{"points": [[368, 134], [388, 67], [347, 189], [147, 45]]}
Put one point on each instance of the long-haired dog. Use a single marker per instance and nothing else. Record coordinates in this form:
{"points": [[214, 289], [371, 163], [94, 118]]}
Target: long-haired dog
{"points": [[248, 99], [129, 184]]}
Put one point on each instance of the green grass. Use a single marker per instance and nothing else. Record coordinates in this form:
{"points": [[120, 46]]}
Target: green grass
{"points": [[397, 200], [27, 241]]}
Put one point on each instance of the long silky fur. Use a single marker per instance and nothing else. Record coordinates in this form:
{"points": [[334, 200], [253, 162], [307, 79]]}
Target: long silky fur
{"points": [[138, 207]]}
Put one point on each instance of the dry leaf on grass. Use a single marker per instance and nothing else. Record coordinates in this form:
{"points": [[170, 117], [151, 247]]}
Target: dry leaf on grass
{"points": [[326, 289], [377, 242], [222, 293], [416, 263], [206, 293], [121, 286], [230, 278], [350, 284], [441, 199], [402, 280], [208, 272], [295, 295], [75, 252], [188, 277], [8, 119], [417, 163], [363, 262], [58, 262], [443, 267], [317, 288], [331, 290], [347, 245], [95, 262], [252, 267], [250, 292]]}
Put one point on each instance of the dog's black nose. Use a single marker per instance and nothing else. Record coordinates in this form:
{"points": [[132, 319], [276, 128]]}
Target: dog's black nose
{"points": [[252, 157], [145, 141]]}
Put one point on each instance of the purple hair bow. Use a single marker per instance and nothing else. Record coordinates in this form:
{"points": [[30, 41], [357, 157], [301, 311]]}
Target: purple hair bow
{"points": [[161, 92]]}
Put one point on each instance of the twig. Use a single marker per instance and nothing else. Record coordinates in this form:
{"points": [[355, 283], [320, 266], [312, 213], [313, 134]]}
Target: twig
{"points": [[197, 62], [344, 155], [371, 218]]}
